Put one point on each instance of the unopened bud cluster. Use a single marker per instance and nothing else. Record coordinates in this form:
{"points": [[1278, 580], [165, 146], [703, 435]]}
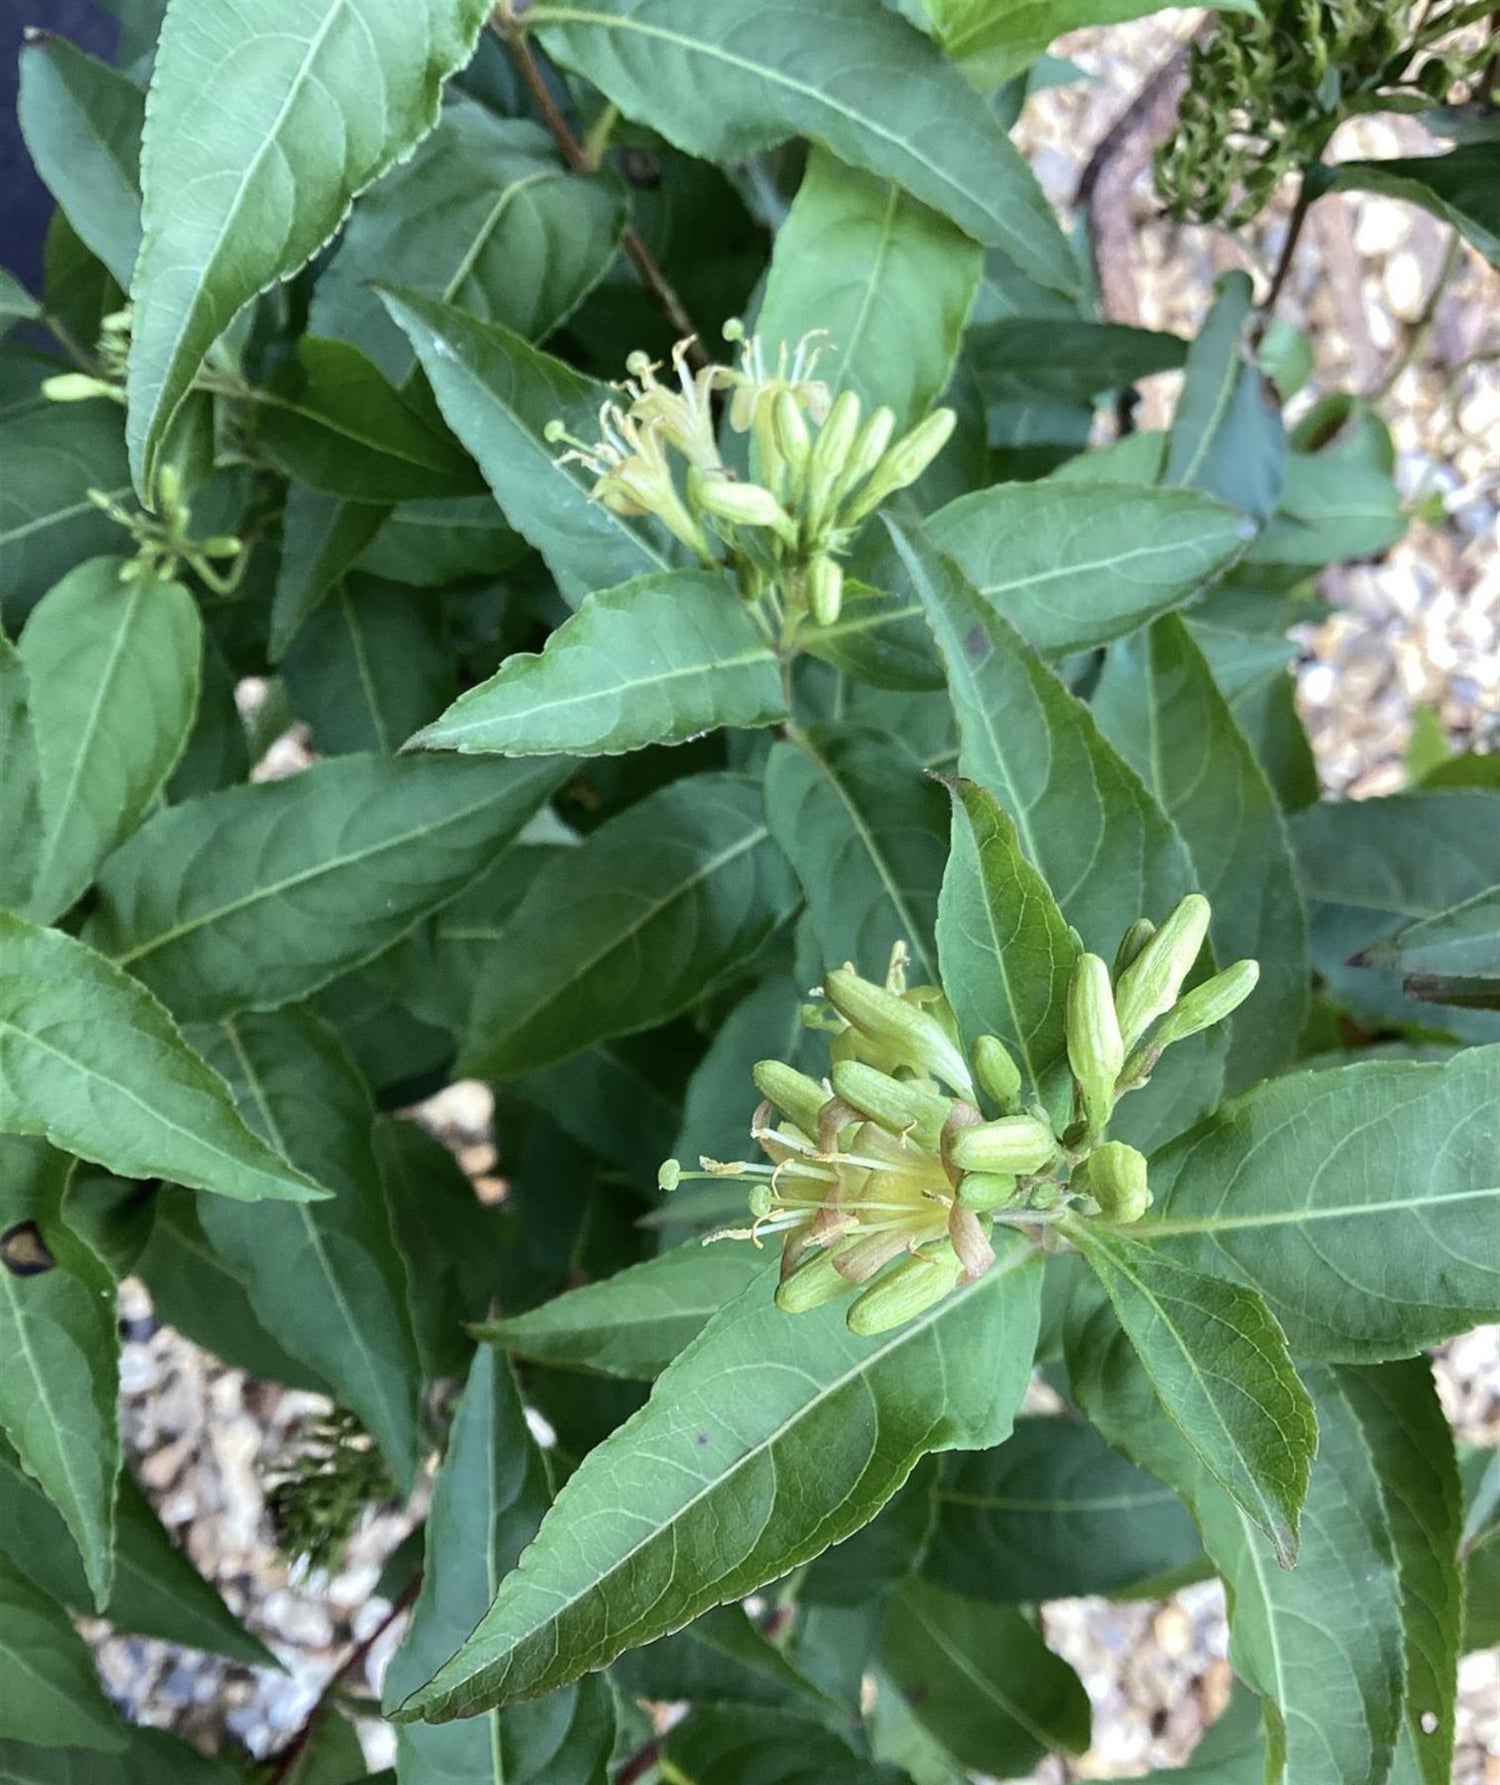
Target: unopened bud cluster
{"points": [[886, 1177], [819, 466], [164, 541]]}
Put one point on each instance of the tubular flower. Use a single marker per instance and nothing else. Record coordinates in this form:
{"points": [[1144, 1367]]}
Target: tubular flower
{"points": [[683, 416], [632, 472]]}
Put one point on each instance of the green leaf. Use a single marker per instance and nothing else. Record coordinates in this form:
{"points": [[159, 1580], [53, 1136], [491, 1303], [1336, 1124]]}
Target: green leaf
{"points": [[1460, 187], [1255, 675], [890, 281], [16, 302], [49, 1691], [1452, 957], [998, 38], [427, 545], [485, 216], [195, 1290], [156, 1591], [61, 1379], [1411, 1443], [769, 1438], [1479, 1551], [332, 420], [498, 394], [82, 122], [1232, 1752], [1006, 949], [258, 895], [1321, 1642], [634, 1323], [657, 661], [1227, 438], [864, 1568], [1219, 1362], [322, 538], [1360, 1201], [1071, 566], [458, 1252], [735, 1744], [1161, 708], [49, 461], [217, 752], [1053, 1513], [867, 831], [326, 1278], [96, 1066], [1050, 361], [113, 668], [981, 1680], [20, 796], [720, 1658], [150, 1757], [223, 216], [849, 74], [369, 667], [488, 1500], [1331, 507], [1099, 839], [1370, 868], [658, 907]]}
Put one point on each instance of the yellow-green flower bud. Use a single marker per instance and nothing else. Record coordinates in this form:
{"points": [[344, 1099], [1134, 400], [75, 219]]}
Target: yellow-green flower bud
{"points": [[79, 387], [1115, 1176], [898, 1105], [810, 1285], [910, 1289], [868, 450], [745, 504], [830, 453], [913, 1035], [1096, 1051], [799, 1098], [221, 545], [1208, 1003], [999, 1076], [1131, 944], [793, 440], [1149, 985], [903, 464], [1012, 1146], [825, 589], [982, 1190]]}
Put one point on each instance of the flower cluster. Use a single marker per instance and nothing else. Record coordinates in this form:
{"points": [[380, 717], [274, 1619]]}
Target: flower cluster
{"points": [[887, 1176], [818, 467]]}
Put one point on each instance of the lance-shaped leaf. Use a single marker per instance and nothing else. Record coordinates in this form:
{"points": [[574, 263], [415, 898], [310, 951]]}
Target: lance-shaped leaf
{"points": [[981, 1680], [867, 831], [487, 1502], [156, 1590], [1071, 565], [726, 1744], [657, 661], [634, 1323], [1452, 957], [49, 1690], [1361, 1201], [769, 1438], [487, 216], [1053, 1513], [720, 1658], [1369, 868], [1321, 1642], [499, 394], [996, 39], [891, 282], [149, 1757], [20, 793], [113, 668], [850, 75], [1227, 438], [657, 908], [1411, 1443], [369, 667], [223, 217], [1161, 708], [94, 1064], [61, 1378], [1219, 1362], [49, 461], [16, 303], [1459, 187], [1006, 949], [258, 895], [321, 538], [325, 1278], [82, 122]]}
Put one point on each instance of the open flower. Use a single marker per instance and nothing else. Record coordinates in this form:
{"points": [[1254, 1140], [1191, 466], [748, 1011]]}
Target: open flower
{"points": [[684, 415], [632, 472]]}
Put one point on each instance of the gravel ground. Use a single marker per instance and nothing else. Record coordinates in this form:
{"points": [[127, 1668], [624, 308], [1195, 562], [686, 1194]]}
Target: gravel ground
{"points": [[1421, 627]]}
